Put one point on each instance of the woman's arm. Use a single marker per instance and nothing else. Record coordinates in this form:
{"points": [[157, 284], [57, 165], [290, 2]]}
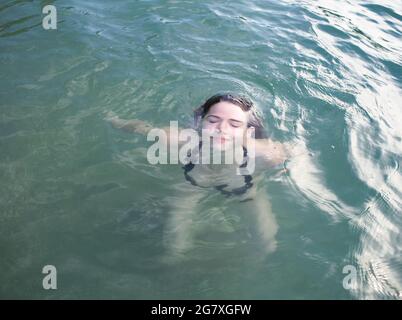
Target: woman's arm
{"points": [[132, 125], [140, 126], [271, 152]]}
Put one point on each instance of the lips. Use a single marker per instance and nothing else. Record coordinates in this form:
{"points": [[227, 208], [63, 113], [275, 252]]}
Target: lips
{"points": [[223, 140]]}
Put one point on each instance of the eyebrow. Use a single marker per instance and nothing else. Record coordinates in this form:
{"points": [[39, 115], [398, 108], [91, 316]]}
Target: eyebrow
{"points": [[235, 120]]}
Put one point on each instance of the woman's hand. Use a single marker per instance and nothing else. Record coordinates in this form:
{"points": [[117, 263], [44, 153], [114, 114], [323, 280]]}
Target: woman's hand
{"points": [[132, 125]]}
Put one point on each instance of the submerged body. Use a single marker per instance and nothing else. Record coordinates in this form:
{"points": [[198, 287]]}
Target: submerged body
{"points": [[226, 119], [194, 208]]}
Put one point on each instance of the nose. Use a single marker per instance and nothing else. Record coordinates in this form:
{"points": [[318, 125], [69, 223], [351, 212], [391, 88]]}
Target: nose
{"points": [[223, 126]]}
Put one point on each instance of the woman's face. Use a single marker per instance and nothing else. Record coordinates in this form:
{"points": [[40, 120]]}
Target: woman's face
{"points": [[225, 121]]}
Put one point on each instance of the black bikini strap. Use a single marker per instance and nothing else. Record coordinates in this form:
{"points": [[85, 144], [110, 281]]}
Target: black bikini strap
{"points": [[188, 167], [237, 191]]}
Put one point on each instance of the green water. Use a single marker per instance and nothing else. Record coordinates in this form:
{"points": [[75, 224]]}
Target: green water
{"points": [[77, 194]]}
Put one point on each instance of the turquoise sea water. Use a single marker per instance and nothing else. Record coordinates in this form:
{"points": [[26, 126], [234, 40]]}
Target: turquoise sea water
{"points": [[77, 194]]}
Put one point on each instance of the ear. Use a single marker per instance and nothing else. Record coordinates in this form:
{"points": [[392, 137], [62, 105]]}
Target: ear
{"points": [[250, 132], [198, 122]]}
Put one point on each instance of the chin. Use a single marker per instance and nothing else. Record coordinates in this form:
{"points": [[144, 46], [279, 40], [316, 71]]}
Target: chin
{"points": [[225, 146]]}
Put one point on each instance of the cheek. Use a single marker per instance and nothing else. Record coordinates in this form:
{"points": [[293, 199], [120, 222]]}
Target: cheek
{"points": [[238, 132], [208, 126]]}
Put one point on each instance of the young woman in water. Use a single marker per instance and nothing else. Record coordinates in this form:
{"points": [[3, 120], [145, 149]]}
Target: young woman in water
{"points": [[226, 118]]}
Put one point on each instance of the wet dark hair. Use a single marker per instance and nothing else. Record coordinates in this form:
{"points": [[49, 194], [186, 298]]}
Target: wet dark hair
{"points": [[255, 118]]}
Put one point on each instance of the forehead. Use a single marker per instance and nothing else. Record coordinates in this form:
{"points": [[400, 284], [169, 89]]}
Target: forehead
{"points": [[228, 110]]}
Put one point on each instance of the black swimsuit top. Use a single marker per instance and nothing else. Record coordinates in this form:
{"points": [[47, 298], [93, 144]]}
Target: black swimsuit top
{"points": [[237, 191]]}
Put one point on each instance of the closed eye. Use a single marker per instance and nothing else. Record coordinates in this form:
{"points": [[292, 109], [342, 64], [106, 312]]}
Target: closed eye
{"points": [[213, 119], [236, 124]]}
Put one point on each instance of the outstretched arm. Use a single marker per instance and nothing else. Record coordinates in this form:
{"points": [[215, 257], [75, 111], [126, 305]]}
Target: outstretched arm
{"points": [[271, 152], [132, 125], [140, 126]]}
